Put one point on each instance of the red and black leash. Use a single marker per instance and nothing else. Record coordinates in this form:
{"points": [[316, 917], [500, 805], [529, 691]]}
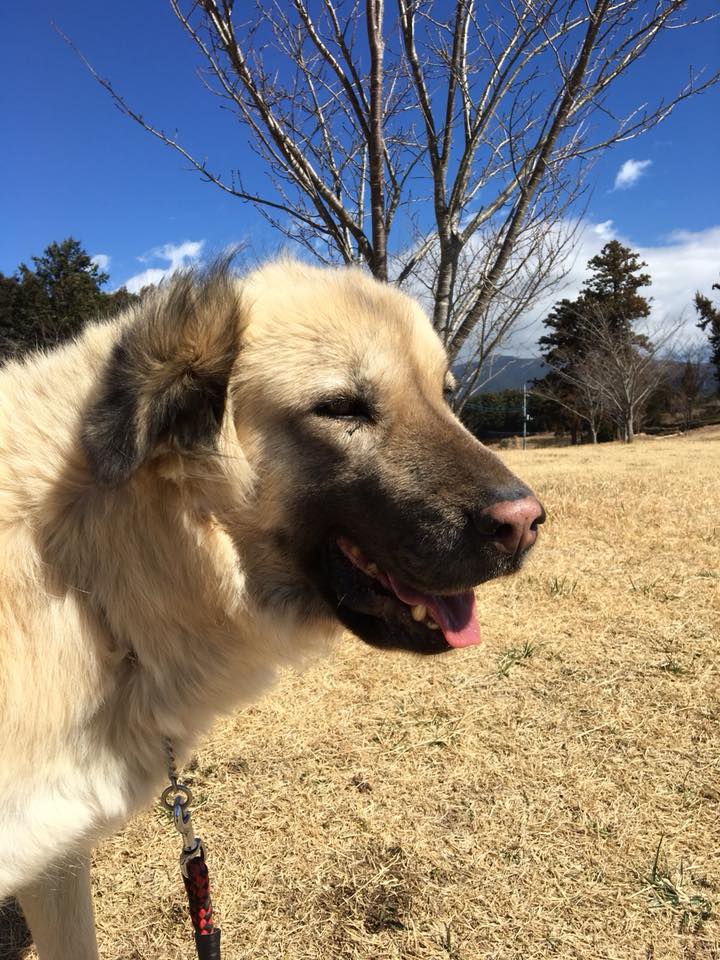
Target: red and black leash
{"points": [[177, 798], [197, 884]]}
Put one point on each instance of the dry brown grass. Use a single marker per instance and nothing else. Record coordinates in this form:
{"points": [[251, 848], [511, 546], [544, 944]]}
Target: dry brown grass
{"points": [[501, 802]]}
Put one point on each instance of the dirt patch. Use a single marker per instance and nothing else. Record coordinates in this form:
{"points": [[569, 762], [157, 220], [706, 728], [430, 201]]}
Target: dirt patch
{"points": [[373, 889]]}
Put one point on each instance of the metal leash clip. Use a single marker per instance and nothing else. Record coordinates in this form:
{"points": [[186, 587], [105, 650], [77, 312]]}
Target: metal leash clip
{"points": [[176, 798]]}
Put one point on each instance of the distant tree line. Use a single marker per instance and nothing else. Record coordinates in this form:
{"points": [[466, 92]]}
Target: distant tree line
{"points": [[491, 415], [43, 305]]}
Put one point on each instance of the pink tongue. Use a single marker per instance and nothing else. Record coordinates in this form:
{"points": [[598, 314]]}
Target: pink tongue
{"points": [[455, 614]]}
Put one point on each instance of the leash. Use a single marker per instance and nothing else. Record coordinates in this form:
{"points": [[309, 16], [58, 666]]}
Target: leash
{"points": [[177, 799]]}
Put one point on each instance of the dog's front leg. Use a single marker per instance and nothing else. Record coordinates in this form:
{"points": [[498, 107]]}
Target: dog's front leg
{"points": [[58, 909]]}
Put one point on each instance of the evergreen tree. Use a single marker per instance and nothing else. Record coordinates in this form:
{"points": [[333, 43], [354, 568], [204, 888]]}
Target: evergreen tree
{"points": [[25, 315], [608, 306], [72, 284], [488, 414], [614, 285], [43, 306], [567, 340], [610, 293], [564, 348], [710, 322]]}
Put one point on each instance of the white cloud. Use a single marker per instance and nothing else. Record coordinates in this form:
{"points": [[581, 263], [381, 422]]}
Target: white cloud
{"points": [[145, 279], [685, 263], [679, 265], [101, 260], [604, 231], [629, 173], [175, 255]]}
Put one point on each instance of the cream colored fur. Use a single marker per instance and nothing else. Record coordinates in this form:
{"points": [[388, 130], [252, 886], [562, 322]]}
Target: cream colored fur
{"points": [[140, 609]]}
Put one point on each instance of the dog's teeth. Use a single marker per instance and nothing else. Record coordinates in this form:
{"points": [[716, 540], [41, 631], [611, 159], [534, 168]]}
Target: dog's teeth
{"points": [[431, 625], [372, 569], [419, 612]]}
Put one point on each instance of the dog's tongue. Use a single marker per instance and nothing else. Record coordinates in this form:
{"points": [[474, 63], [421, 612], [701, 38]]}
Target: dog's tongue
{"points": [[455, 614]]}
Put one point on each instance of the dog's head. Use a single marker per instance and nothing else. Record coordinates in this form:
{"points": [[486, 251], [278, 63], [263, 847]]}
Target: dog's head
{"points": [[359, 495]]}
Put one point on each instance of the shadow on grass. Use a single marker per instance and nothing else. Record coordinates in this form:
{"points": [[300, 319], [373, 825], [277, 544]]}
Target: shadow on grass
{"points": [[15, 939]]}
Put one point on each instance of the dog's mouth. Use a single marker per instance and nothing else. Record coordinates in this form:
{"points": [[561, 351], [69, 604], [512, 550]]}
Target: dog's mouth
{"points": [[385, 611]]}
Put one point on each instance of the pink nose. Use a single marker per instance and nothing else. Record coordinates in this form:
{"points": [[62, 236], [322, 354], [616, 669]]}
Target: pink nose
{"points": [[516, 523]]}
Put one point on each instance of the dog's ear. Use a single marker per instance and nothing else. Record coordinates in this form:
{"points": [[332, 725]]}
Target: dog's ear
{"points": [[165, 384]]}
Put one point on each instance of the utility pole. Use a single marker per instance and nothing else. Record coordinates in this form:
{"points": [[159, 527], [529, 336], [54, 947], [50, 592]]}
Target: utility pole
{"points": [[525, 416]]}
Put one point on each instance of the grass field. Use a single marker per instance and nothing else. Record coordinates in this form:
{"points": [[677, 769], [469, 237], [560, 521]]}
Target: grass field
{"points": [[553, 793]]}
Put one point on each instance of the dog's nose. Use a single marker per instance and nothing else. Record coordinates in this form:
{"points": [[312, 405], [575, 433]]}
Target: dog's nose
{"points": [[512, 524]]}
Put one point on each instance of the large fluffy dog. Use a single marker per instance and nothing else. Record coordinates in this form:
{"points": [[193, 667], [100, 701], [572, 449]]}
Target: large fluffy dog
{"points": [[190, 495]]}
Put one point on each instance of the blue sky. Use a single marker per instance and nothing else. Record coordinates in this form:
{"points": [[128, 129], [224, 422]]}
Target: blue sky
{"points": [[72, 164]]}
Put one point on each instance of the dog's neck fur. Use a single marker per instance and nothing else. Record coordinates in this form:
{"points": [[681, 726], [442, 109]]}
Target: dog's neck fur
{"points": [[187, 644]]}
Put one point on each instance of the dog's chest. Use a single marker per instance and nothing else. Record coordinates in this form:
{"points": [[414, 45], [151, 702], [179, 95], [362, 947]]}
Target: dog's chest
{"points": [[68, 804]]}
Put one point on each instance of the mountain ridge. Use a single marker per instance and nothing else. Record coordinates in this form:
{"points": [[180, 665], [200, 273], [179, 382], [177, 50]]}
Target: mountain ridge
{"points": [[505, 372]]}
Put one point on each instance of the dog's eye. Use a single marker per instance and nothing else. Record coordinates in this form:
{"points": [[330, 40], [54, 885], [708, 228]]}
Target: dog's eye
{"points": [[343, 408]]}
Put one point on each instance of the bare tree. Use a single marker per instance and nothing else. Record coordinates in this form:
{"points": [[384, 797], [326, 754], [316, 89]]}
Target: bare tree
{"points": [[440, 143], [624, 370], [533, 271], [615, 375], [584, 399]]}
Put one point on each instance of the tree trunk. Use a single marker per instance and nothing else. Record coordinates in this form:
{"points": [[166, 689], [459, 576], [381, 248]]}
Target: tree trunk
{"points": [[446, 274], [376, 146], [441, 312]]}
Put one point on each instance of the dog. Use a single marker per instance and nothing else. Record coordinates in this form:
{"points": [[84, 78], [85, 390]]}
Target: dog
{"points": [[211, 485]]}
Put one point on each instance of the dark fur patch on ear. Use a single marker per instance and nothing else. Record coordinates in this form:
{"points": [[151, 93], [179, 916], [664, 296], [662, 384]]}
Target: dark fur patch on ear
{"points": [[110, 435], [189, 413], [166, 379]]}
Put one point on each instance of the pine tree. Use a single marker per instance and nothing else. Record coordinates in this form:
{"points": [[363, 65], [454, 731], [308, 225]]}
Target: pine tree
{"points": [[564, 348], [614, 286], [710, 322], [599, 320], [610, 293], [566, 343], [72, 284], [43, 306]]}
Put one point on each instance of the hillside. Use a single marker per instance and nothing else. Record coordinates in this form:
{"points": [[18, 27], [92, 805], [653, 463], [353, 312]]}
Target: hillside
{"points": [[505, 372]]}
